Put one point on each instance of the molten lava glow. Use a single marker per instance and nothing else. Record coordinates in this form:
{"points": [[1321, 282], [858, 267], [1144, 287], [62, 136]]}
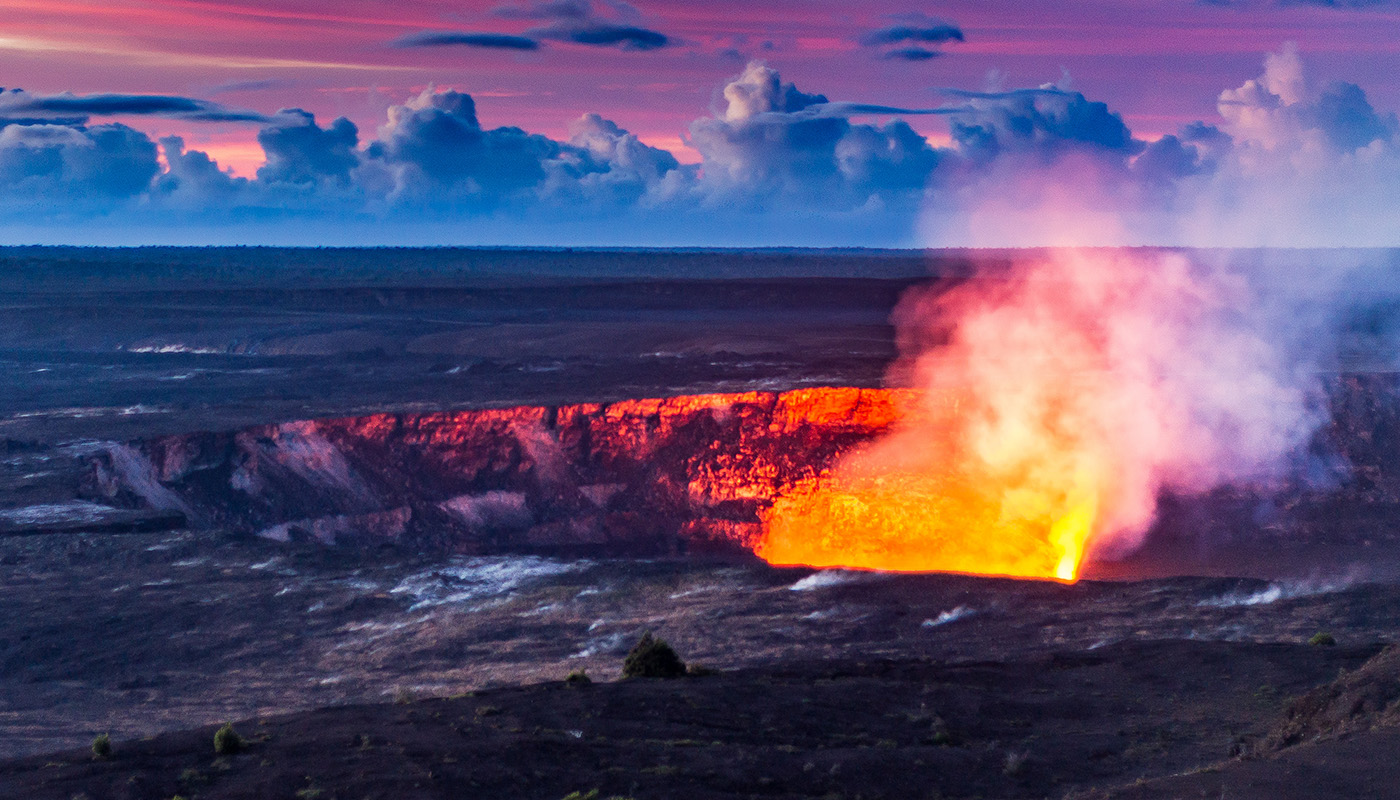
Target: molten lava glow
{"points": [[942, 510], [1058, 397], [999, 470]]}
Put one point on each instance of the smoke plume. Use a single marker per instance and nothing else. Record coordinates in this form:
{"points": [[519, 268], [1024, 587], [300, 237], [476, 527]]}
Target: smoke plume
{"points": [[1060, 396], [1146, 372]]}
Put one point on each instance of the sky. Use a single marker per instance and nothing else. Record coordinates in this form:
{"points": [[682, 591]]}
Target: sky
{"points": [[600, 122]]}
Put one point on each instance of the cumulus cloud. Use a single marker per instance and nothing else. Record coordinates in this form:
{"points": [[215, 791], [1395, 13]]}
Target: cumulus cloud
{"points": [[1288, 161], [608, 165], [1281, 109], [434, 151], [61, 170], [760, 90], [300, 151], [192, 178], [1305, 164], [1044, 122], [771, 138]]}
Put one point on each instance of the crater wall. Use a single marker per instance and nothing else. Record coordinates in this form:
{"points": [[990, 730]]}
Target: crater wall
{"points": [[652, 476]]}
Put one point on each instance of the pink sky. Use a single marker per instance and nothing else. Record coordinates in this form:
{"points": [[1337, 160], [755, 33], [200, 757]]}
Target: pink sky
{"points": [[1160, 63]]}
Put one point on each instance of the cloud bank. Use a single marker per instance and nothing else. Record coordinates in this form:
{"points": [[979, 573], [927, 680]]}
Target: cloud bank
{"points": [[1287, 162]]}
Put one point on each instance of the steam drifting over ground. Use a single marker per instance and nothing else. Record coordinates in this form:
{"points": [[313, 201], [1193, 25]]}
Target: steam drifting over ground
{"points": [[1058, 401]]}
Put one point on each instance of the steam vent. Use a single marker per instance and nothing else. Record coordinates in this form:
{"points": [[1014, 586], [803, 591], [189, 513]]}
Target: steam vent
{"points": [[691, 474]]}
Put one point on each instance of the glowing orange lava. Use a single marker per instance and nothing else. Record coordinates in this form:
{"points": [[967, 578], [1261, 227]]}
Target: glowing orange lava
{"points": [[1054, 399], [1039, 424], [943, 511]]}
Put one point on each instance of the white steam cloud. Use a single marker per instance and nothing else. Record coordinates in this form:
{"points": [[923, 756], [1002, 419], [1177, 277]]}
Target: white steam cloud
{"points": [[1113, 372], [1289, 163]]}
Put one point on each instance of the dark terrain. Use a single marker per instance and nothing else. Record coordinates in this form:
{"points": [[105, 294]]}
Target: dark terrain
{"points": [[123, 344], [259, 486], [1057, 725], [1096, 684]]}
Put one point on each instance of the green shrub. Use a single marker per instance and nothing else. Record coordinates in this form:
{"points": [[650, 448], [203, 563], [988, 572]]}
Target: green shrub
{"points": [[578, 678], [193, 777], [652, 658], [1323, 639], [699, 670], [227, 741], [102, 746]]}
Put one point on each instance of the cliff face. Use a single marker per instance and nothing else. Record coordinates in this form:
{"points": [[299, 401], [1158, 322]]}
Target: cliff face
{"points": [[657, 476], [665, 476]]}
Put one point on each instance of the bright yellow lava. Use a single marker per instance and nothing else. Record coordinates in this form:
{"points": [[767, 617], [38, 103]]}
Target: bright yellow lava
{"points": [[934, 521]]}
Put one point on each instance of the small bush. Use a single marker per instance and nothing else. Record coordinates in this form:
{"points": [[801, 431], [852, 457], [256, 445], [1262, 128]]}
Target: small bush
{"points": [[227, 741], [578, 678], [700, 670], [1323, 639], [102, 746], [193, 777], [652, 658]]}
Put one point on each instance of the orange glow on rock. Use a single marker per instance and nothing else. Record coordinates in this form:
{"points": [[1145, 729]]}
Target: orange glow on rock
{"points": [[942, 509], [1056, 398]]}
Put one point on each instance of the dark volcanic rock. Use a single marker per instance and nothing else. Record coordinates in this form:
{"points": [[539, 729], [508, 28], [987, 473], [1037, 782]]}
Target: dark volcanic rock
{"points": [[140, 634], [641, 477], [77, 515], [1355, 701], [692, 474], [875, 728]]}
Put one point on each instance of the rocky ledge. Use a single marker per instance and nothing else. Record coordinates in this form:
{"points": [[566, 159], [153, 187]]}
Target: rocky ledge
{"points": [[640, 477]]}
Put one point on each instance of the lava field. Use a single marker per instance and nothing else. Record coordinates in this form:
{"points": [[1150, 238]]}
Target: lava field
{"points": [[375, 521]]}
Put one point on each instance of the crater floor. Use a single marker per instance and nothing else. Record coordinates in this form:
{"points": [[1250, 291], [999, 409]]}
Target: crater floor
{"points": [[136, 634]]}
